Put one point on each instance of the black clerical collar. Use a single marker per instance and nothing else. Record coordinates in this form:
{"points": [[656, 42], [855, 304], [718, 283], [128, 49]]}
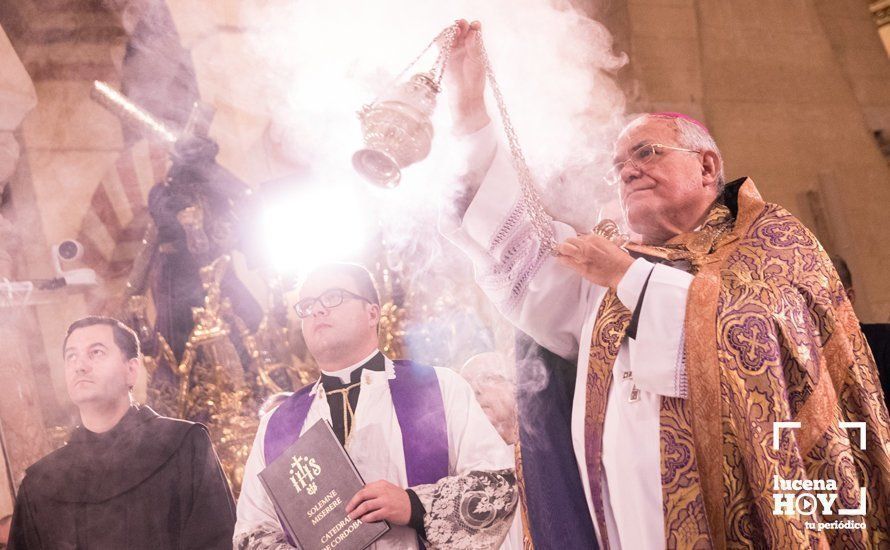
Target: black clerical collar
{"points": [[730, 195], [375, 363]]}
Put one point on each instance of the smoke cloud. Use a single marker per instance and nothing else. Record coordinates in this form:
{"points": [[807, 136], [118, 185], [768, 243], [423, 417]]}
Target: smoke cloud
{"points": [[314, 63]]}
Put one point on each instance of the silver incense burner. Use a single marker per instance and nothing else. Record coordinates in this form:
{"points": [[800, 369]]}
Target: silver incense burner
{"points": [[397, 130], [396, 126]]}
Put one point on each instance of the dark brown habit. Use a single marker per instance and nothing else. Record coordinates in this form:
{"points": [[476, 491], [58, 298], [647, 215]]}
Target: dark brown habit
{"points": [[150, 482]]}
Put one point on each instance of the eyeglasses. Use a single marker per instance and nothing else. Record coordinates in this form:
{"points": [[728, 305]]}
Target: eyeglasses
{"points": [[329, 298], [641, 157]]}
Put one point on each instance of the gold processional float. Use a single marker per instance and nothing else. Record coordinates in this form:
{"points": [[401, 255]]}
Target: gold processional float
{"points": [[210, 382]]}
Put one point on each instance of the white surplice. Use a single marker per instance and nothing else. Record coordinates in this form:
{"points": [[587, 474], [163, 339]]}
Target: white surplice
{"points": [[557, 308], [375, 446]]}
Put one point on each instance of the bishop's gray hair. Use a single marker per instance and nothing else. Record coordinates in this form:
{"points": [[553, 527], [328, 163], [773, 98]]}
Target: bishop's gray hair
{"points": [[692, 136]]}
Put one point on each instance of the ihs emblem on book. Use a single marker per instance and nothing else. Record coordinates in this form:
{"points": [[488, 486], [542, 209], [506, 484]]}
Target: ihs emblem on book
{"points": [[303, 471]]}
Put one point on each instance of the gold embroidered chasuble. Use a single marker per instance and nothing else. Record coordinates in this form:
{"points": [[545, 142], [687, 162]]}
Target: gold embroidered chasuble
{"points": [[769, 337]]}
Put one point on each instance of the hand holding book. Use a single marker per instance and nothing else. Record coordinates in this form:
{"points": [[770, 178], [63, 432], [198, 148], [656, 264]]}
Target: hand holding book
{"points": [[380, 500], [309, 484]]}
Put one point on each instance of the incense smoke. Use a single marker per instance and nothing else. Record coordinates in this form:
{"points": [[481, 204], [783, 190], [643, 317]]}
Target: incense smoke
{"points": [[316, 63]]}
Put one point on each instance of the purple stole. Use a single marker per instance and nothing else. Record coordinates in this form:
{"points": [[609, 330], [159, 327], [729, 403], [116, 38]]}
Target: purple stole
{"points": [[420, 411]]}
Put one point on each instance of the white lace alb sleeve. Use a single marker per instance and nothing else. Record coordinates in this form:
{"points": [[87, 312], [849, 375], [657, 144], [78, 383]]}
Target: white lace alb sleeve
{"points": [[263, 537], [526, 284], [471, 511]]}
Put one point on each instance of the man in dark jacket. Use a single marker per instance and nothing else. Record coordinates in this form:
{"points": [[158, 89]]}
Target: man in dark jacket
{"points": [[128, 478]]}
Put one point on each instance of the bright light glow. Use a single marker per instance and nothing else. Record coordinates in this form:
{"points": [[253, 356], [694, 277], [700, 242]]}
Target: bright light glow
{"points": [[310, 228], [311, 69]]}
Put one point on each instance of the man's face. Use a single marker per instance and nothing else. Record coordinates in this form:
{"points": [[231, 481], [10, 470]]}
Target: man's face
{"points": [[96, 370], [660, 194], [351, 324]]}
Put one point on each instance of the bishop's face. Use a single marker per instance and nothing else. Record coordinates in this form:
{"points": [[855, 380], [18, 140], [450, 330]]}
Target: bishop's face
{"points": [[659, 195], [96, 370], [337, 330]]}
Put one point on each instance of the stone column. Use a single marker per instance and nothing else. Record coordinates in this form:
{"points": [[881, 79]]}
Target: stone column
{"points": [[69, 142], [17, 97], [21, 421]]}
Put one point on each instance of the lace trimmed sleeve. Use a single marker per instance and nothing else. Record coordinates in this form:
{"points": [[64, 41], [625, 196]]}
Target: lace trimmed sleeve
{"points": [[472, 511], [263, 537]]}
